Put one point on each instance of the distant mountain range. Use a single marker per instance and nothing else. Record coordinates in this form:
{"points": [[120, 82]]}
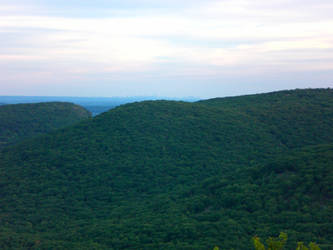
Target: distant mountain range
{"points": [[176, 175]]}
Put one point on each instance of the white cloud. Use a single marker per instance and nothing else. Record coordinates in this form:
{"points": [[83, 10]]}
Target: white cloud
{"points": [[209, 38]]}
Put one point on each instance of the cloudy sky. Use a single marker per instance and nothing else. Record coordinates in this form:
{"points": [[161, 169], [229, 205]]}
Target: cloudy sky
{"points": [[200, 48]]}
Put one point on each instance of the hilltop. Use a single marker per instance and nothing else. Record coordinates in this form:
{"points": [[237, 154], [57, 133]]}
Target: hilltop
{"points": [[176, 175], [95, 105], [22, 121]]}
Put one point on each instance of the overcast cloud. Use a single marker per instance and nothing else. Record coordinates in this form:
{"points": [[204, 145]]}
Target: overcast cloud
{"points": [[167, 48]]}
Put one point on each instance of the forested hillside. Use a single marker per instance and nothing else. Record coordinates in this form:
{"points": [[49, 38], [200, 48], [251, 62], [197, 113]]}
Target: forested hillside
{"points": [[176, 175], [22, 121]]}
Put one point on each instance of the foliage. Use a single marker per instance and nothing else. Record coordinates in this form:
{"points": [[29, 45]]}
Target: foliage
{"points": [[272, 243], [279, 243], [312, 246], [22, 121], [176, 175]]}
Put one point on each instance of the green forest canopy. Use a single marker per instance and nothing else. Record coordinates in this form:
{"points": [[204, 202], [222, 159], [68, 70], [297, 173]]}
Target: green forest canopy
{"points": [[22, 121], [176, 175]]}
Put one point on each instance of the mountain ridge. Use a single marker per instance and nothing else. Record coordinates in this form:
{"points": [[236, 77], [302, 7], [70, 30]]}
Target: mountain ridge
{"points": [[22, 121], [175, 175]]}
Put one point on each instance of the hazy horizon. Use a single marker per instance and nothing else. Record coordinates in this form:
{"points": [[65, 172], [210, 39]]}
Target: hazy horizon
{"points": [[175, 49], [146, 96]]}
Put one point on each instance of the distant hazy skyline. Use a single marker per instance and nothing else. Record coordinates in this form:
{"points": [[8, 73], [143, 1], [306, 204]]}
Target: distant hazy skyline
{"points": [[201, 48]]}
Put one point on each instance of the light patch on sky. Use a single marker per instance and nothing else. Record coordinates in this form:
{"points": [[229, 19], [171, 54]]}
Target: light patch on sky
{"points": [[166, 48]]}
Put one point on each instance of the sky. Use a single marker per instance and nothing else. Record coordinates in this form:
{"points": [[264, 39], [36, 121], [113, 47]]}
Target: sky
{"points": [[198, 48]]}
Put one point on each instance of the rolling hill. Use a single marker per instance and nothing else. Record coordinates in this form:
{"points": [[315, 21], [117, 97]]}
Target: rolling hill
{"points": [[22, 121], [176, 175]]}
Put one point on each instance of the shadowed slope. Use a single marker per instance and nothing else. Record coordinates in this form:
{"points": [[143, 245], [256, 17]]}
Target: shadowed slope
{"points": [[21, 121]]}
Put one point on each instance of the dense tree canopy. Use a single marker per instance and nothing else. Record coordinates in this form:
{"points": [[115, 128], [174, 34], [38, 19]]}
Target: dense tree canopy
{"points": [[22, 121], [176, 175]]}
